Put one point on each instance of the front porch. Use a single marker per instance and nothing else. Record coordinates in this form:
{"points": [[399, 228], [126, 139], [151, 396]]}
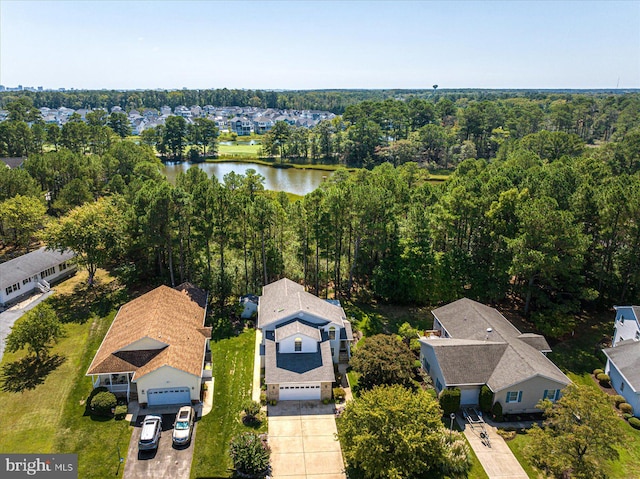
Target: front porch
{"points": [[119, 384]]}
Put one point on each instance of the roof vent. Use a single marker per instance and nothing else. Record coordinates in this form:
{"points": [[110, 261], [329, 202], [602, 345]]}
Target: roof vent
{"points": [[489, 330]]}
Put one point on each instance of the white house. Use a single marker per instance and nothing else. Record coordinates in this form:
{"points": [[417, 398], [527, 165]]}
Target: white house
{"points": [[33, 272], [303, 337], [623, 358], [472, 345], [155, 348]]}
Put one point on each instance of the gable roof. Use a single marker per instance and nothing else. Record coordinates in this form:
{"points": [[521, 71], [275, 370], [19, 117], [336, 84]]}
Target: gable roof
{"points": [[284, 298], [625, 356], [634, 309], [297, 327], [298, 367], [30, 264], [483, 326], [14, 162], [174, 317]]}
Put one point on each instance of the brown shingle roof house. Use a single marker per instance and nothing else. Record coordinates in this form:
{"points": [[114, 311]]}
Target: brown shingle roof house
{"points": [[155, 347]]}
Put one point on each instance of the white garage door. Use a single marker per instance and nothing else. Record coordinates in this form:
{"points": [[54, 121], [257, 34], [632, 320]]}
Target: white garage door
{"points": [[159, 397], [293, 392]]}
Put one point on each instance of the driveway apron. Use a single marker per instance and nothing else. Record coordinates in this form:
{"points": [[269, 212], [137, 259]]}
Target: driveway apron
{"points": [[302, 436]]}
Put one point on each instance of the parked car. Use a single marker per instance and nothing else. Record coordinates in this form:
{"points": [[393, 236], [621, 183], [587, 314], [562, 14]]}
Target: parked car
{"points": [[150, 435], [183, 427]]}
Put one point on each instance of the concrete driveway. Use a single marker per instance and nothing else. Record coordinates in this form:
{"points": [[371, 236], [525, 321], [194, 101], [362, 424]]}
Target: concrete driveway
{"points": [[167, 461], [303, 442], [498, 461]]}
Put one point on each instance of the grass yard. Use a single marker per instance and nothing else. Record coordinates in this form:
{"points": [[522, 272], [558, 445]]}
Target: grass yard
{"points": [[232, 362], [239, 150], [51, 418]]}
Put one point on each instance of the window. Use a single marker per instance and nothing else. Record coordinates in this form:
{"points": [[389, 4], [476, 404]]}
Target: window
{"points": [[62, 266], [514, 396], [332, 333], [48, 272], [622, 386], [12, 288], [551, 394], [637, 335], [25, 281], [298, 345], [427, 366], [438, 384]]}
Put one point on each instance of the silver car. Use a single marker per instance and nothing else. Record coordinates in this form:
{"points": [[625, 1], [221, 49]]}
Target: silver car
{"points": [[183, 427], [150, 434]]}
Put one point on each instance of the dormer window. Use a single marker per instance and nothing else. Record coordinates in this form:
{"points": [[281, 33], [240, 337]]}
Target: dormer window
{"points": [[332, 333], [298, 345]]}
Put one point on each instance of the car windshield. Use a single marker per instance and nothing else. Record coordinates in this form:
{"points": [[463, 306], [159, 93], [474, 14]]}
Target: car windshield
{"points": [[182, 425]]}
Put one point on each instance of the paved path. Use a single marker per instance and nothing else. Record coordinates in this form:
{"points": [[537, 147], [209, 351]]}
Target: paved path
{"points": [[255, 395], [498, 461], [302, 436], [11, 315]]}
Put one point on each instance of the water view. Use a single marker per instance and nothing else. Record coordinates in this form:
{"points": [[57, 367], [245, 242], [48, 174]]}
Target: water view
{"points": [[291, 180]]}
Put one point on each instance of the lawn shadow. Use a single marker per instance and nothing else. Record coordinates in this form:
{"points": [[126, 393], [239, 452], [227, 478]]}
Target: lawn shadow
{"points": [[28, 372], [85, 302]]}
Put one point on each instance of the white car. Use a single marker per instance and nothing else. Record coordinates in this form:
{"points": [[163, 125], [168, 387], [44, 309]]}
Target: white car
{"points": [[183, 427], [150, 434]]}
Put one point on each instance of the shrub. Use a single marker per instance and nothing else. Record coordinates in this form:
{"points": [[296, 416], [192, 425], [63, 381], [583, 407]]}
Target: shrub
{"points": [[339, 394], [597, 371], [626, 408], [618, 399], [485, 399], [263, 399], [250, 455], [450, 400], [604, 379], [627, 416], [496, 410], [326, 401], [251, 410], [634, 422], [121, 411], [103, 402]]}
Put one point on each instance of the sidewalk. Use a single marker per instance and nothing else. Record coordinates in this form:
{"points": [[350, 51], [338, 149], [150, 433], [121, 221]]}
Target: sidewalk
{"points": [[497, 460], [255, 395]]}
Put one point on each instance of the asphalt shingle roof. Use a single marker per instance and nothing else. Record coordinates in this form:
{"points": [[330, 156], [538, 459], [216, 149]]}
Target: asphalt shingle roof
{"points": [[174, 318], [298, 367], [477, 324], [626, 358], [30, 264], [297, 327]]}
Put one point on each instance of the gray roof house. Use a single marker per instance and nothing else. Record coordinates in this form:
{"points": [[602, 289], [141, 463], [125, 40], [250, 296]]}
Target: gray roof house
{"points": [[623, 358], [472, 345], [33, 272], [303, 336]]}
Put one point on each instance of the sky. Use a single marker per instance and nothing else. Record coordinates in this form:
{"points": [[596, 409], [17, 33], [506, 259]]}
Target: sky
{"points": [[309, 44]]}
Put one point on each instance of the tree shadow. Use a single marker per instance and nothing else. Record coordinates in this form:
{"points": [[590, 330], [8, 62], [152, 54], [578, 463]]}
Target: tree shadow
{"points": [[28, 372], [85, 302]]}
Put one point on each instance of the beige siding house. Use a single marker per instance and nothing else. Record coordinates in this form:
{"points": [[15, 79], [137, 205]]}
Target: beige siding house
{"points": [[155, 348], [472, 345]]}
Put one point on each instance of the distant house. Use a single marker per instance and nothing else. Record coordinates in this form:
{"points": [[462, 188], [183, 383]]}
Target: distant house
{"points": [[14, 162], [623, 358], [242, 126], [472, 345], [155, 348], [303, 337], [33, 272], [262, 125]]}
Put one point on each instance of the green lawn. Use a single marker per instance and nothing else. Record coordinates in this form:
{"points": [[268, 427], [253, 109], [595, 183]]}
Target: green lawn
{"points": [[232, 362], [51, 418], [239, 150]]}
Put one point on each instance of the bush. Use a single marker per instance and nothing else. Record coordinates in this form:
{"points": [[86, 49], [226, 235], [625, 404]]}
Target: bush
{"points": [[604, 379], [250, 455], [103, 402], [121, 411], [496, 410], [485, 399], [634, 422], [618, 399], [627, 416], [339, 394], [450, 400], [597, 371], [626, 408], [251, 410], [263, 399], [326, 401]]}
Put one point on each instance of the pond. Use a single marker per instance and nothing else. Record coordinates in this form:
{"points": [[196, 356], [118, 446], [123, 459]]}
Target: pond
{"points": [[291, 180]]}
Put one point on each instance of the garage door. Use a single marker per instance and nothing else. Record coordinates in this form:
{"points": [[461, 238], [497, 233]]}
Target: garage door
{"points": [[298, 392], [159, 397], [469, 397]]}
